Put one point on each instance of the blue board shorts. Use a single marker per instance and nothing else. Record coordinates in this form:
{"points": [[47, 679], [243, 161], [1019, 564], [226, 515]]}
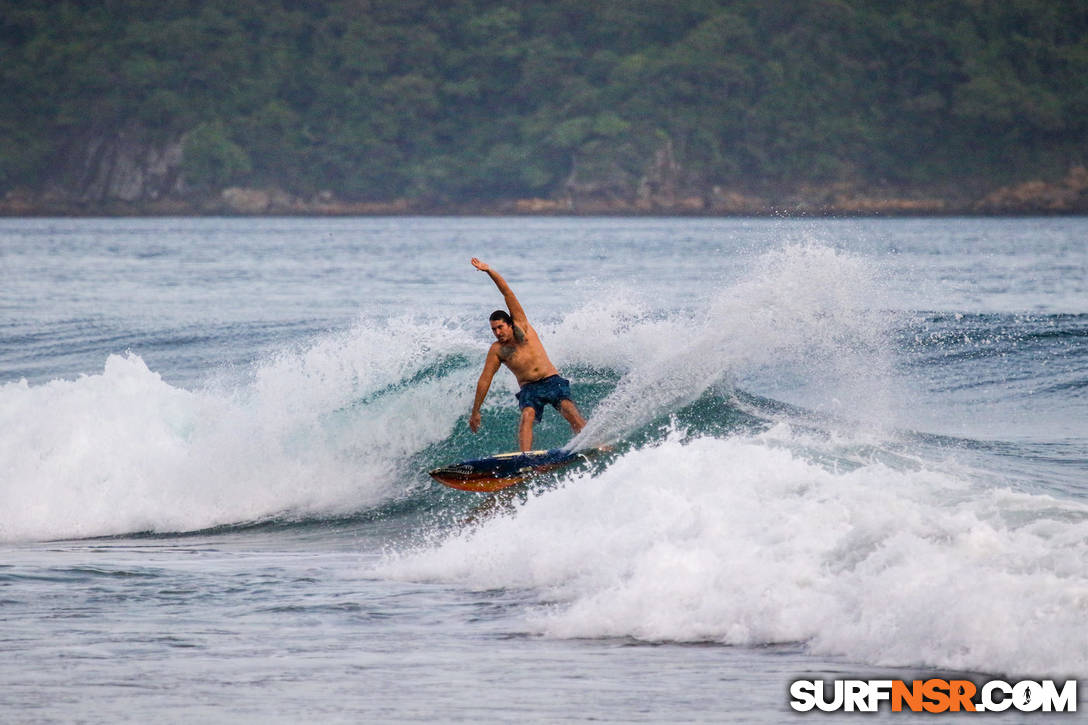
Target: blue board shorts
{"points": [[547, 391]]}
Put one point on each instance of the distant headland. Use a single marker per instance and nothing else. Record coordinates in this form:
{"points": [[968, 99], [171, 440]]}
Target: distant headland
{"points": [[698, 107]]}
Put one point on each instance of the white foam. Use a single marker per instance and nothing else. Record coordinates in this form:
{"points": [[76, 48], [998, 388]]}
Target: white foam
{"points": [[742, 542], [321, 430]]}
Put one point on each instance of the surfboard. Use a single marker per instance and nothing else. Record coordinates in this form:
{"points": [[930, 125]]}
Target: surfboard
{"points": [[495, 473]]}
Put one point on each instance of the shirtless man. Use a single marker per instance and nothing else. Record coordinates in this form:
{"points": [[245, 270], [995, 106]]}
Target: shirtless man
{"points": [[519, 348]]}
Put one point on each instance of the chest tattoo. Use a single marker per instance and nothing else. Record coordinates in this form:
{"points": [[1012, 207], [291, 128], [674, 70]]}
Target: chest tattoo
{"points": [[507, 351]]}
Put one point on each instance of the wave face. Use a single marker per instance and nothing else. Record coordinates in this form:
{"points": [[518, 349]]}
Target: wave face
{"points": [[350, 421]]}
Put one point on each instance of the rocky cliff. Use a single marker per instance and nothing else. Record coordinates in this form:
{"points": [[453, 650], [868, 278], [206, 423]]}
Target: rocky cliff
{"points": [[129, 171], [126, 165]]}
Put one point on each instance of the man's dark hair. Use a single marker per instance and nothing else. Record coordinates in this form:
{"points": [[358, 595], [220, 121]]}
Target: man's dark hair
{"points": [[501, 315]]}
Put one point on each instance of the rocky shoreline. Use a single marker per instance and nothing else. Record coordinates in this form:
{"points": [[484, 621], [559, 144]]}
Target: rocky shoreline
{"points": [[1068, 196], [130, 172]]}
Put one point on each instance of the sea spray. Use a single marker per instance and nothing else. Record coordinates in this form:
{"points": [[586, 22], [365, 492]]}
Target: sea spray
{"points": [[810, 310]]}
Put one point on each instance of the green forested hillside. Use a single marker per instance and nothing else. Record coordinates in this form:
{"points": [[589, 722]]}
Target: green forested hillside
{"points": [[480, 99]]}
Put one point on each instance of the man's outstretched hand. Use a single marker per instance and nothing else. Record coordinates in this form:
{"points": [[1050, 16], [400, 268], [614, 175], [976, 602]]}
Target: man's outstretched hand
{"points": [[474, 422], [480, 265]]}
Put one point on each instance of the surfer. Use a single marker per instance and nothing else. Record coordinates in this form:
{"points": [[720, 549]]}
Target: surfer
{"points": [[519, 348]]}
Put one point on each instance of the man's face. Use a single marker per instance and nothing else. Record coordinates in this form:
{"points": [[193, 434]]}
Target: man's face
{"points": [[503, 332]]}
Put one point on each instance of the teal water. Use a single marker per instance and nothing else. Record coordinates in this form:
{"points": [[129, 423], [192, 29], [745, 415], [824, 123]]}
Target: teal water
{"points": [[839, 446]]}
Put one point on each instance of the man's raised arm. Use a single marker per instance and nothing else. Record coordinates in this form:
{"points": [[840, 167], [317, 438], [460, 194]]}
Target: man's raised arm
{"points": [[512, 304]]}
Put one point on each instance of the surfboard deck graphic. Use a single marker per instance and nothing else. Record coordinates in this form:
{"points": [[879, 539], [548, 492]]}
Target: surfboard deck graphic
{"points": [[495, 473]]}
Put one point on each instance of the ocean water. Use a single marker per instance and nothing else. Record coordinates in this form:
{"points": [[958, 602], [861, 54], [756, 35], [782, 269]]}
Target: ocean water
{"points": [[838, 448]]}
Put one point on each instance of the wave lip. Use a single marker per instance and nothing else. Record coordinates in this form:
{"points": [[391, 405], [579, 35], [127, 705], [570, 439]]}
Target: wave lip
{"points": [[318, 432], [742, 542]]}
